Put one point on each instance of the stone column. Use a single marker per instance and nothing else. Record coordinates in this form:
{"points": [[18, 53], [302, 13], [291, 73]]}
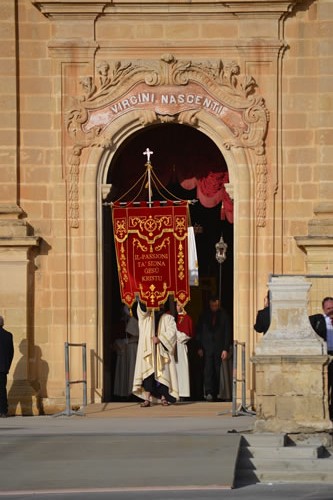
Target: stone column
{"points": [[291, 365]]}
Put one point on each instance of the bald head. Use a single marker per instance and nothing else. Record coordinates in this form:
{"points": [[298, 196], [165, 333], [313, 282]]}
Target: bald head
{"points": [[2, 321]]}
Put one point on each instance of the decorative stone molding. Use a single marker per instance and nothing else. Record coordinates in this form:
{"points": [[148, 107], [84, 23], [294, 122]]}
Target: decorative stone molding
{"points": [[74, 49], [164, 91], [105, 190], [60, 9], [14, 228], [318, 244]]}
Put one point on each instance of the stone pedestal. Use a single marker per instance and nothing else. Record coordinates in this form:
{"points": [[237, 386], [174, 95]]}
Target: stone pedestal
{"points": [[16, 302], [291, 365]]}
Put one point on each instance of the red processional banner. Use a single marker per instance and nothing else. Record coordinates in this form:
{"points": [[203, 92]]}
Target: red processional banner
{"points": [[152, 251]]}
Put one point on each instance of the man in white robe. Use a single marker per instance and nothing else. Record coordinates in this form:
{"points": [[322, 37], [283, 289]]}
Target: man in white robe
{"points": [[155, 372], [184, 333], [182, 365]]}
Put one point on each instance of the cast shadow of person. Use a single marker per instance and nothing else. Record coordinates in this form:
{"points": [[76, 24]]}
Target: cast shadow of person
{"points": [[23, 392], [40, 381]]}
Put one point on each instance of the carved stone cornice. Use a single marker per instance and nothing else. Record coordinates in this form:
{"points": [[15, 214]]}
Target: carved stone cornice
{"points": [[167, 90], [22, 242], [61, 9], [72, 49]]}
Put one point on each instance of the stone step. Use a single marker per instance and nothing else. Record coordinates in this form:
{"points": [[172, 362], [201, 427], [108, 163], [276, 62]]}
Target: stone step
{"points": [[245, 477], [265, 439], [279, 465], [287, 452], [316, 439], [280, 458]]}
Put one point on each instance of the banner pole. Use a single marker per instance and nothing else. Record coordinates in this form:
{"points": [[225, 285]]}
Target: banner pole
{"points": [[149, 183], [148, 153]]}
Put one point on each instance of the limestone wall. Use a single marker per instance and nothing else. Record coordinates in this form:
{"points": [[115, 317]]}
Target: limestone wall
{"points": [[307, 125], [46, 48]]}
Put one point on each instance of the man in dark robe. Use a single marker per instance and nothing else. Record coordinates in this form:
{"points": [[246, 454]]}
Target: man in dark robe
{"points": [[214, 338], [6, 358]]}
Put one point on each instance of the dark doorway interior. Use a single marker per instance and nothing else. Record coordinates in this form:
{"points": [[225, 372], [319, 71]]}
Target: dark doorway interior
{"points": [[179, 153]]}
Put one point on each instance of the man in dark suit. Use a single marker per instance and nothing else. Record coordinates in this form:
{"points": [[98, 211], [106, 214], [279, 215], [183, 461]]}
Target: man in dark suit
{"points": [[263, 319], [214, 339], [6, 358], [323, 326]]}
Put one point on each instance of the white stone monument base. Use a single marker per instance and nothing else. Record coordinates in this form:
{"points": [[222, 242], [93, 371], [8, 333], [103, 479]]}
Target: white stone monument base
{"points": [[291, 393]]}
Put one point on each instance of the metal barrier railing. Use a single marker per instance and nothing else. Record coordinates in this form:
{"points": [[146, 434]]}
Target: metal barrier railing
{"points": [[68, 410], [243, 407]]}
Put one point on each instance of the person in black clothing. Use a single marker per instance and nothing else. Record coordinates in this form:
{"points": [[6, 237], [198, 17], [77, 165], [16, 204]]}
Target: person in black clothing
{"points": [[323, 326], [6, 358], [263, 319], [214, 339], [321, 323]]}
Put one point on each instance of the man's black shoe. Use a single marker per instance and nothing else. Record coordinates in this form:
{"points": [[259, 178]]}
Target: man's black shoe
{"points": [[3, 415]]}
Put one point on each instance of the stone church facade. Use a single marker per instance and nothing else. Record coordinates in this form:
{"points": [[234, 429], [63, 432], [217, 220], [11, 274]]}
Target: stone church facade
{"points": [[79, 79]]}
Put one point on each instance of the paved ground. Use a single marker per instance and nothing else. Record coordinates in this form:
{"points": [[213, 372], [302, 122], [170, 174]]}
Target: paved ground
{"points": [[255, 492], [125, 452]]}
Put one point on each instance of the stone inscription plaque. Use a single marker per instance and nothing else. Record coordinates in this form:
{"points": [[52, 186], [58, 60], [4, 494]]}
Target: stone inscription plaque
{"points": [[166, 100]]}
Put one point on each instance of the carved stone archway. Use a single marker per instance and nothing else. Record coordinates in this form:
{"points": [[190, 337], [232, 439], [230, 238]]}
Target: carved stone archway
{"points": [[214, 98], [155, 93]]}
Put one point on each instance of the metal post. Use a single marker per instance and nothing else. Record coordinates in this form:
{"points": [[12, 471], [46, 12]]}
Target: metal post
{"points": [[67, 390], [242, 410], [84, 368], [68, 411], [243, 378], [234, 380]]}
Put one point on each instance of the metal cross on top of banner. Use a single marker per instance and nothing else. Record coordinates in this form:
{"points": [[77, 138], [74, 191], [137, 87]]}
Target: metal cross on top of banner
{"points": [[148, 153], [151, 241]]}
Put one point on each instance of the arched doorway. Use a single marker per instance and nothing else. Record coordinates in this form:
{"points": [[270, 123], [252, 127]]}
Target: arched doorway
{"points": [[223, 105], [181, 155]]}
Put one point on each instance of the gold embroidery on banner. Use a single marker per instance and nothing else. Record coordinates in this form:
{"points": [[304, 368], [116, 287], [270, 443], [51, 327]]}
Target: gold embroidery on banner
{"points": [[180, 228], [120, 230], [123, 265], [180, 225], [152, 295], [165, 242], [180, 262], [143, 248], [150, 224]]}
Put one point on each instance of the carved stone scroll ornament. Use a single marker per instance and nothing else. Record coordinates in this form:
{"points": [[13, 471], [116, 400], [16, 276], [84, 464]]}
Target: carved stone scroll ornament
{"points": [[163, 91]]}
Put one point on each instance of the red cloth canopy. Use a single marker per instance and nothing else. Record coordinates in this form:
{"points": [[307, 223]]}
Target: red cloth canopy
{"points": [[211, 191]]}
